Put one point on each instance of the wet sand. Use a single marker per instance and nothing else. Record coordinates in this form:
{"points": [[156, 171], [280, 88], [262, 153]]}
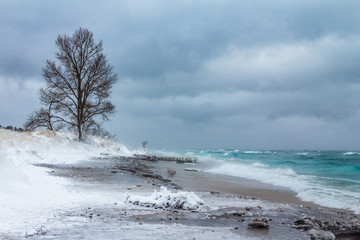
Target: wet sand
{"points": [[202, 181], [238, 201], [282, 198]]}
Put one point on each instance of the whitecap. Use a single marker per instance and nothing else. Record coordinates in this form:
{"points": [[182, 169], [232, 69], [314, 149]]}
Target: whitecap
{"points": [[269, 152], [252, 152], [303, 153], [257, 164], [351, 153]]}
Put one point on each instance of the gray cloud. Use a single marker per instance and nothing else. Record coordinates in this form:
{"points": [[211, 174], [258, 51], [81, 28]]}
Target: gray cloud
{"points": [[250, 74]]}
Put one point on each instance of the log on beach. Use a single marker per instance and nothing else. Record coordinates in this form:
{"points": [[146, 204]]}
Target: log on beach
{"points": [[154, 158]]}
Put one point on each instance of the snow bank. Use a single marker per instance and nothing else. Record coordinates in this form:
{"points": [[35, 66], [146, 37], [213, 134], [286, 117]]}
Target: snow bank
{"points": [[165, 199], [45, 146], [19, 151], [27, 192]]}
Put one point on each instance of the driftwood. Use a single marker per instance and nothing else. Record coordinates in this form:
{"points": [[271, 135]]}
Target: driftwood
{"points": [[154, 158]]}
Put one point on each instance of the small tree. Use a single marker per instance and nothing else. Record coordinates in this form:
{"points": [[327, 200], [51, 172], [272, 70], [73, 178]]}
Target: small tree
{"points": [[43, 118], [39, 118], [78, 85]]}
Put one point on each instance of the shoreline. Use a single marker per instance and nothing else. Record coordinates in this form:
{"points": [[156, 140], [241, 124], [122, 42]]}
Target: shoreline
{"points": [[234, 202], [199, 181], [204, 181], [209, 182]]}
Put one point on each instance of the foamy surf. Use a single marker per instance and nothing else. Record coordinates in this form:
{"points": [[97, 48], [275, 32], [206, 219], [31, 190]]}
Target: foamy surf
{"points": [[308, 188], [330, 179]]}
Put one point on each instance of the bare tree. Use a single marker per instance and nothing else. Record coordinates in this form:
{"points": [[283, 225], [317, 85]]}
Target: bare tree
{"points": [[78, 84], [43, 118]]}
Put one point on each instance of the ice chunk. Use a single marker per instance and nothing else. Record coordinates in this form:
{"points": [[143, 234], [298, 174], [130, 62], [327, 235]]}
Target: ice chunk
{"points": [[165, 199]]}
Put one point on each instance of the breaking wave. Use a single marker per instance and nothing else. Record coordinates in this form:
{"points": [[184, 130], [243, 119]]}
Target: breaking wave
{"points": [[307, 187]]}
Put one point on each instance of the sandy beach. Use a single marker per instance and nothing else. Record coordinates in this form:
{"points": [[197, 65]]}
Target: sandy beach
{"points": [[232, 204]]}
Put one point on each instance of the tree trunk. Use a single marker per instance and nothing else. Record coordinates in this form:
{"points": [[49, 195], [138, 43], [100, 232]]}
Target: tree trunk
{"points": [[80, 132]]}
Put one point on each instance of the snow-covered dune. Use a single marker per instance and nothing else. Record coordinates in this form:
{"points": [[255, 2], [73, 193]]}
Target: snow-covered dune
{"points": [[55, 147], [28, 192]]}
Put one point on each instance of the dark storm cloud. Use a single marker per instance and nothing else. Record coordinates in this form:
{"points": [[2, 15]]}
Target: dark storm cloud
{"points": [[180, 38], [295, 79], [255, 74]]}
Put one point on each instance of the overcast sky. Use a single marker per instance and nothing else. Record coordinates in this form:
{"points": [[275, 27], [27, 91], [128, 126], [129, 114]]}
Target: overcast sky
{"points": [[202, 74]]}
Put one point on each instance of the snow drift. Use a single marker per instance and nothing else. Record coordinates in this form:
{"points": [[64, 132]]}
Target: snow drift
{"points": [[165, 199], [27, 192], [19, 151]]}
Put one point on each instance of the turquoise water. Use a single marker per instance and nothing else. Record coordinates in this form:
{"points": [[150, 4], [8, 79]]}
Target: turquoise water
{"points": [[328, 178]]}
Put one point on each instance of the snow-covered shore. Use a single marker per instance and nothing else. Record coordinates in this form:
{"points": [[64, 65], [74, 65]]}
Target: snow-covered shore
{"points": [[37, 203], [28, 194], [54, 187]]}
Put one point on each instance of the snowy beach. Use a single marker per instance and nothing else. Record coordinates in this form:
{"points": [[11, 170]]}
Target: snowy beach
{"points": [[54, 187]]}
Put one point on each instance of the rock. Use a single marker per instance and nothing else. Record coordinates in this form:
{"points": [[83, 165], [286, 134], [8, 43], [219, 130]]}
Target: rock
{"points": [[213, 192], [348, 226], [332, 226], [299, 222], [304, 227], [171, 172], [321, 235], [304, 216], [318, 223], [304, 224], [259, 223], [238, 214], [355, 222]]}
